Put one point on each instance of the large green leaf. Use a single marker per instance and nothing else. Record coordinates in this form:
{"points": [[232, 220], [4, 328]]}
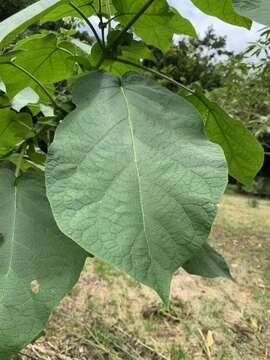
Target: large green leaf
{"points": [[14, 128], [132, 178], [10, 27], [44, 57], [38, 264], [243, 153], [224, 10], [65, 10], [207, 263], [258, 10], [157, 25]]}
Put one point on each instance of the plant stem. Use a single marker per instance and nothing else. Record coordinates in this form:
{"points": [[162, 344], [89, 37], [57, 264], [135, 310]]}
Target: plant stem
{"points": [[126, 28], [75, 7], [31, 76], [157, 73], [108, 8], [5, 106], [18, 166], [101, 22]]}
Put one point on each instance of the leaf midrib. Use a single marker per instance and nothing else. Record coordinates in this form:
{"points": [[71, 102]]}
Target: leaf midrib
{"points": [[12, 240], [131, 131]]}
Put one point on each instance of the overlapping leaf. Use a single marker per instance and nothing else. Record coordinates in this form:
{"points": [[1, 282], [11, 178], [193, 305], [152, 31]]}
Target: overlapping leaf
{"points": [[208, 263], [224, 10], [38, 264], [157, 24], [258, 10], [135, 51], [132, 178], [42, 56], [64, 10], [10, 27], [243, 153], [14, 128]]}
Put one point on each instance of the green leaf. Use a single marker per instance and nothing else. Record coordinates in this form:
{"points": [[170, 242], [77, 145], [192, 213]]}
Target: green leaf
{"points": [[243, 153], [207, 263], [14, 128], [47, 111], [12, 26], [135, 52], [23, 98], [34, 274], [223, 10], [3, 88], [132, 178], [65, 10], [258, 10], [157, 25], [44, 57]]}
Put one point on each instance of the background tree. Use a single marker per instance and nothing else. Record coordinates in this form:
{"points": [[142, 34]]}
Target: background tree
{"points": [[193, 60], [10, 7]]}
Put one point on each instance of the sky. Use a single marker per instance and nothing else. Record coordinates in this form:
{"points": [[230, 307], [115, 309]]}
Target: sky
{"points": [[237, 37]]}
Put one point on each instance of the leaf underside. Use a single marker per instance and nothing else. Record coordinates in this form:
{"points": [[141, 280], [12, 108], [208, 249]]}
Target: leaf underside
{"points": [[257, 10], [34, 274], [131, 177]]}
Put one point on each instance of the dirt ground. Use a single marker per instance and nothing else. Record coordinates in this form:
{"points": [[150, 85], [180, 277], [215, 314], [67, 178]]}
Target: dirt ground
{"points": [[110, 316]]}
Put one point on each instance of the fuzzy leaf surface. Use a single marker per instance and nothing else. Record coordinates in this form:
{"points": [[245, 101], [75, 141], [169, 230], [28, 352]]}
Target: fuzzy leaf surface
{"points": [[207, 263], [132, 178], [38, 264], [257, 10]]}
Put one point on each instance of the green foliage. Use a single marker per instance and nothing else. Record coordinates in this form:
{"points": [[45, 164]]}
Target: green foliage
{"points": [[257, 10], [207, 262], [223, 9], [191, 61], [158, 23], [131, 176], [14, 128], [34, 274], [14, 25], [243, 153], [135, 165]]}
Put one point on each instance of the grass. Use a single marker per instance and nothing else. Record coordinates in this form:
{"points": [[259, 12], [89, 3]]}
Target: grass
{"points": [[110, 316]]}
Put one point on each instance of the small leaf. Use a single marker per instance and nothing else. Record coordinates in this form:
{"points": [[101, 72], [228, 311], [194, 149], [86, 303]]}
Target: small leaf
{"points": [[3, 87], [135, 51], [14, 128], [23, 98], [137, 182], [243, 153], [208, 263], [47, 111]]}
